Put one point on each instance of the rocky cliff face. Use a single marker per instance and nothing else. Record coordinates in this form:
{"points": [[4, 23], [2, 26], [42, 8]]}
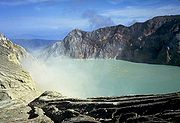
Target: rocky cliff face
{"points": [[154, 41], [15, 82], [16, 85]]}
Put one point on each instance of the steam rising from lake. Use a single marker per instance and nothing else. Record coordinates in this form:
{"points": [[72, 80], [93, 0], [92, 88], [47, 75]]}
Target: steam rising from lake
{"points": [[90, 78]]}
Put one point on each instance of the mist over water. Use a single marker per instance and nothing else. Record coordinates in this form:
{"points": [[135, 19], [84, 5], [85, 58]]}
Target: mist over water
{"points": [[91, 78]]}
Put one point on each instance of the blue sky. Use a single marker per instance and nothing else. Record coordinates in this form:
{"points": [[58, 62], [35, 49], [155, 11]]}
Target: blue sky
{"points": [[53, 19]]}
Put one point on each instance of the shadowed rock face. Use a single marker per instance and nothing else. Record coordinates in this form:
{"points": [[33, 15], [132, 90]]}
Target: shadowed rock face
{"points": [[140, 108], [154, 41]]}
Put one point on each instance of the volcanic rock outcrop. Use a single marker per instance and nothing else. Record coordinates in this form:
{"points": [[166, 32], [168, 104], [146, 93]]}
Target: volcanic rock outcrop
{"points": [[154, 41], [15, 82], [16, 85], [162, 108]]}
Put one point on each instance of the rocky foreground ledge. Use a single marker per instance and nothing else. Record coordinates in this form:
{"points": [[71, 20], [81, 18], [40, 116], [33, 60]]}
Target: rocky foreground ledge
{"points": [[140, 108]]}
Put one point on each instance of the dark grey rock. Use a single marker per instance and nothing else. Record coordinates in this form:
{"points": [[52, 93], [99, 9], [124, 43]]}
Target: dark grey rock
{"points": [[161, 108]]}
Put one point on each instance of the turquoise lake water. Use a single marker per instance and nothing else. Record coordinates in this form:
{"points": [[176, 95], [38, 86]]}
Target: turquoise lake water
{"points": [[90, 78]]}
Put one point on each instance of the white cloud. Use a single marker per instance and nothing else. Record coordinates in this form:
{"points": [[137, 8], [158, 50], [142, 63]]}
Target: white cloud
{"points": [[114, 2], [130, 13], [96, 20], [45, 23]]}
